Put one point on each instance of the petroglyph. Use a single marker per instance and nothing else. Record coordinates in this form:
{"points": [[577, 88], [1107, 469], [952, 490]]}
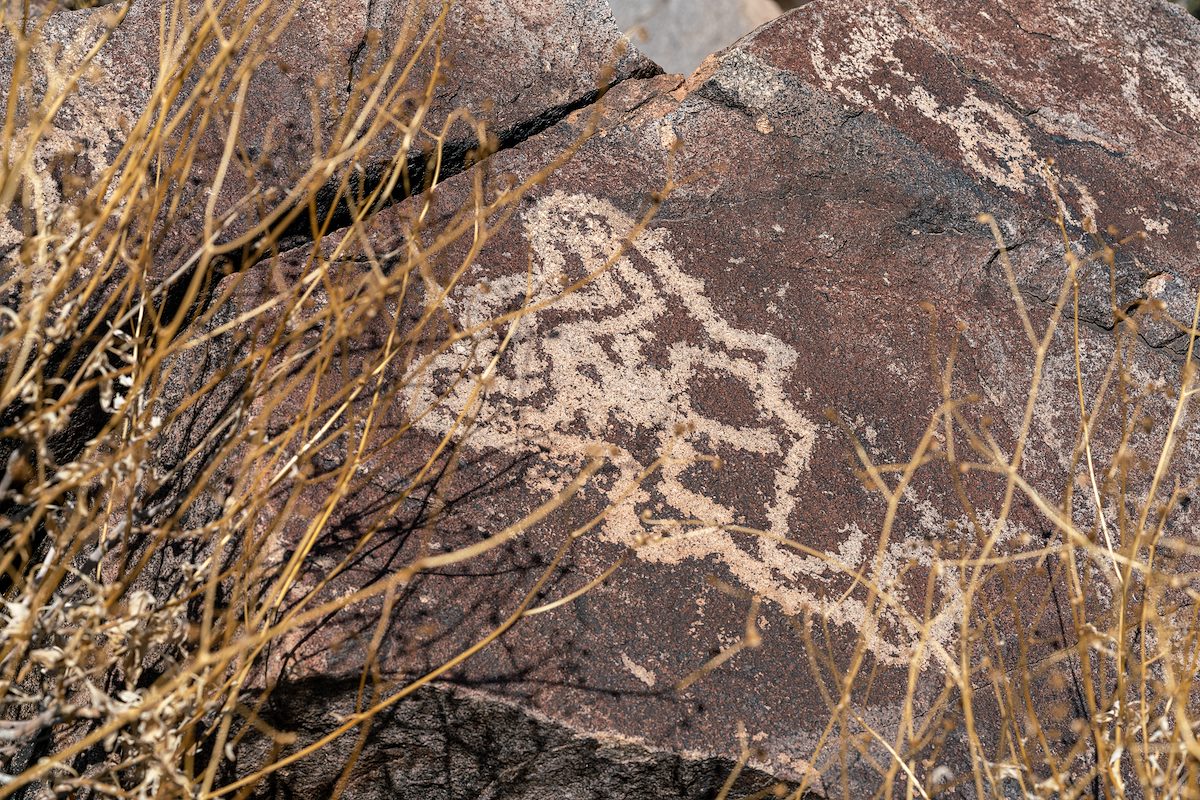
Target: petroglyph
{"points": [[867, 71], [600, 367]]}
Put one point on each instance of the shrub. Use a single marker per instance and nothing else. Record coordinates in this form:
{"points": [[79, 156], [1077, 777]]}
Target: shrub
{"points": [[159, 319]]}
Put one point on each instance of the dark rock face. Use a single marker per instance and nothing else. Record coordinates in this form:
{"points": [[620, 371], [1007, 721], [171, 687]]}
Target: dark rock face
{"points": [[320, 66], [462, 744], [839, 159], [836, 161]]}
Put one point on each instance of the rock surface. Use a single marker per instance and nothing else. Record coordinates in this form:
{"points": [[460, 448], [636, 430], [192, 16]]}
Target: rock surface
{"points": [[836, 162], [330, 55], [461, 744]]}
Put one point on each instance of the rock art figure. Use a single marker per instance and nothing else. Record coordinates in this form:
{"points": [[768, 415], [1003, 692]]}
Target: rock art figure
{"points": [[598, 373]]}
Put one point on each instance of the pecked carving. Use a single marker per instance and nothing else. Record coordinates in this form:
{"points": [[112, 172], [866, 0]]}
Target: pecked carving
{"points": [[593, 370]]}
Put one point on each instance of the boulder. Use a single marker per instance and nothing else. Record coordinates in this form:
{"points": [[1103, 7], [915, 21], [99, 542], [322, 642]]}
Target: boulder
{"points": [[309, 76], [820, 248], [319, 67], [815, 244]]}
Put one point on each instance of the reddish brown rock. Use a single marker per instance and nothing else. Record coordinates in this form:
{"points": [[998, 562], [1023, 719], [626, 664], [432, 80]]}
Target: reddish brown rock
{"points": [[320, 66], [838, 160], [833, 170]]}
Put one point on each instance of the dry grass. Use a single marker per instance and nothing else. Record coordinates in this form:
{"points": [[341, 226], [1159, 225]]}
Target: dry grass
{"points": [[163, 415], [1072, 671]]}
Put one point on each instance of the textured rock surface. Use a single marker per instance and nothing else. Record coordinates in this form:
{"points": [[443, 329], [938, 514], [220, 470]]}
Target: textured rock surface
{"points": [[679, 34], [840, 157], [329, 55], [838, 160], [461, 744]]}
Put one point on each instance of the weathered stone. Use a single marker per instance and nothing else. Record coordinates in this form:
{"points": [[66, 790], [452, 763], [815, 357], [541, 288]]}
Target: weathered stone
{"points": [[837, 161], [679, 34], [462, 743], [328, 58], [318, 68]]}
